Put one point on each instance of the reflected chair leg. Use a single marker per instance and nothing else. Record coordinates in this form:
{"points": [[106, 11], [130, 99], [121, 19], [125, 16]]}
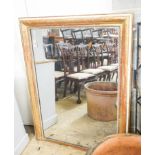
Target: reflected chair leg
{"points": [[112, 76], [102, 62], [59, 84], [108, 76], [65, 86], [116, 77], [56, 95], [100, 78], [71, 87], [75, 87], [79, 88], [104, 77]]}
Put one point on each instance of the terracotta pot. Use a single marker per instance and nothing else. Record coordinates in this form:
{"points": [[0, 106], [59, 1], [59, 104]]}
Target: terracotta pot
{"points": [[120, 144], [101, 100]]}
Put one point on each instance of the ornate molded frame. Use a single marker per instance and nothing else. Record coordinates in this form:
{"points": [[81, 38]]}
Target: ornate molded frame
{"points": [[124, 21]]}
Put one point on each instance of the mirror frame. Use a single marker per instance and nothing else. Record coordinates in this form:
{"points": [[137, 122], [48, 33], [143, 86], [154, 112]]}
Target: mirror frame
{"points": [[125, 60]]}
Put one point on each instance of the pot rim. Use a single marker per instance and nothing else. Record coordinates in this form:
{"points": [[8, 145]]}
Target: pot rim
{"points": [[108, 92]]}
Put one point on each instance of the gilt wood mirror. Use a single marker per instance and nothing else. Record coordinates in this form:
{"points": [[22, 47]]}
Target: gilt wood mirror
{"points": [[46, 40]]}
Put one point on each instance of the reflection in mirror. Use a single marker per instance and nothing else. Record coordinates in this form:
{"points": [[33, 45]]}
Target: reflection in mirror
{"points": [[79, 101]]}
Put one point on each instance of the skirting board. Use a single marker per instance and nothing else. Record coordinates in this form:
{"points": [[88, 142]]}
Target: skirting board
{"points": [[21, 145], [28, 123], [50, 121]]}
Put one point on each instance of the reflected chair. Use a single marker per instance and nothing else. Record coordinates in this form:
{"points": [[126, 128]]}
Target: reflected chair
{"points": [[59, 78], [70, 60], [59, 71], [109, 70]]}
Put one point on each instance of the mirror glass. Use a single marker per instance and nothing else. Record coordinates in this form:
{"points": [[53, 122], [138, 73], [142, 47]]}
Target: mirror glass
{"points": [[77, 80]]}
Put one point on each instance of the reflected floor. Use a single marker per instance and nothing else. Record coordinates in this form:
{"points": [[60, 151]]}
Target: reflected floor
{"points": [[74, 125], [46, 148]]}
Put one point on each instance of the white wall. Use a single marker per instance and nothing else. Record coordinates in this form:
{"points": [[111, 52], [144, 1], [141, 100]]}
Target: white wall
{"points": [[125, 4], [67, 7], [22, 102], [20, 137], [46, 87], [20, 79], [37, 43], [45, 79]]}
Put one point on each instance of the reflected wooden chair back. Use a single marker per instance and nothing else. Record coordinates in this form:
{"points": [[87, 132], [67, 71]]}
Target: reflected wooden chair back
{"points": [[82, 56], [72, 67], [78, 36], [68, 57], [67, 35], [87, 35]]}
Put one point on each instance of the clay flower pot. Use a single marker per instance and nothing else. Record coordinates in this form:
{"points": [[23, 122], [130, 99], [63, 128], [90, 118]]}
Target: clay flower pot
{"points": [[101, 100], [119, 144]]}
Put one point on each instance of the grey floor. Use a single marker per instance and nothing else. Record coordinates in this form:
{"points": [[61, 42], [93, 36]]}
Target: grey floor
{"points": [[48, 148], [75, 126]]}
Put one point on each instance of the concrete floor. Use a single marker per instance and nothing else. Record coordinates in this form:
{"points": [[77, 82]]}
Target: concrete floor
{"points": [[76, 127], [47, 148]]}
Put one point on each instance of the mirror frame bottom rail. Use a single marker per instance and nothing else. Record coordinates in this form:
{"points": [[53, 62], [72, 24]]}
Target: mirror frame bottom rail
{"points": [[79, 147]]}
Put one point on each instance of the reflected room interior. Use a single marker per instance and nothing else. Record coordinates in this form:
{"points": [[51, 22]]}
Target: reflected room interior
{"points": [[79, 101]]}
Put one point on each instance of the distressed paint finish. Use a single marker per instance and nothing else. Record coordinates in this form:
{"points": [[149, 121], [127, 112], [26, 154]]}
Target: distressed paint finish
{"points": [[32, 82], [122, 20]]}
